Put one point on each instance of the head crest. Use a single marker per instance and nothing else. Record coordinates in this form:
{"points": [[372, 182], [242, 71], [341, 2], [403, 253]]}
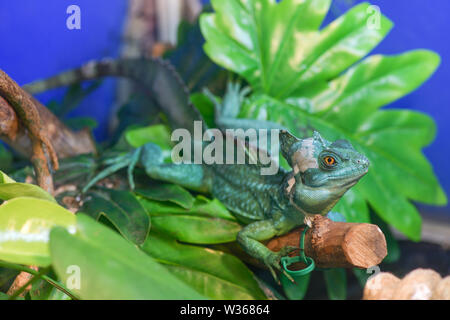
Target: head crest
{"points": [[302, 154]]}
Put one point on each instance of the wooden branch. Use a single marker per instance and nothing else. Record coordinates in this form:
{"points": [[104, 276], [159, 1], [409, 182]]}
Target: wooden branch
{"points": [[337, 244], [66, 142], [29, 127]]}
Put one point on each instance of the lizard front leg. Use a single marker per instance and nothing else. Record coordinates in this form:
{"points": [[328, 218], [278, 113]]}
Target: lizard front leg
{"points": [[251, 236]]}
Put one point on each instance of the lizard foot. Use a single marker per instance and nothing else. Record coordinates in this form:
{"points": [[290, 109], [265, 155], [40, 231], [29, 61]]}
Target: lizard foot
{"points": [[272, 261], [147, 155]]}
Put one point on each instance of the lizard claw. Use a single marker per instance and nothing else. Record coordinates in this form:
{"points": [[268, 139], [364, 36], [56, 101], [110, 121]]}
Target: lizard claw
{"points": [[272, 261]]}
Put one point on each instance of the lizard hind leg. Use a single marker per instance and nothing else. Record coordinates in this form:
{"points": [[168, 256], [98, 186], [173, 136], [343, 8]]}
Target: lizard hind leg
{"points": [[189, 175], [149, 153]]}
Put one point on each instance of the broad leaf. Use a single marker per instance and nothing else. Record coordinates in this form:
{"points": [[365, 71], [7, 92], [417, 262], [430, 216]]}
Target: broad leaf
{"points": [[14, 190], [25, 225], [277, 46], [111, 267], [227, 277], [195, 229], [4, 178], [9, 189], [336, 282], [297, 290], [202, 207], [168, 192], [122, 209], [157, 134]]}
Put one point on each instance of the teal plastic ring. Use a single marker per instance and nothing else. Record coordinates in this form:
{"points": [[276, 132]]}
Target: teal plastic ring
{"points": [[287, 261]]}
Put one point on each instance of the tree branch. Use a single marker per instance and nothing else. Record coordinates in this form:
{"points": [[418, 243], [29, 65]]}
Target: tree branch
{"points": [[337, 244], [32, 130]]}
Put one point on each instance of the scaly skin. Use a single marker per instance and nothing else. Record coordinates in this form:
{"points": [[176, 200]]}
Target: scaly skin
{"points": [[270, 205]]}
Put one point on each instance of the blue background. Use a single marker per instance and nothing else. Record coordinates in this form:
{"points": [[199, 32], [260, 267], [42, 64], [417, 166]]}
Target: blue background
{"points": [[35, 43]]}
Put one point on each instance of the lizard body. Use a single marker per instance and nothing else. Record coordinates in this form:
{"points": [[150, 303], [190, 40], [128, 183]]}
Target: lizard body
{"points": [[270, 205]]}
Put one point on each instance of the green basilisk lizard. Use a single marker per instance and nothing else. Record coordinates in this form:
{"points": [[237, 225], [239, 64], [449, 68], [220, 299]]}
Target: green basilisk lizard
{"points": [[271, 205]]}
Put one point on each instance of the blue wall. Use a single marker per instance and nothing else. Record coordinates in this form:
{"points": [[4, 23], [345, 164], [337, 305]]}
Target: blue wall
{"points": [[36, 44]]}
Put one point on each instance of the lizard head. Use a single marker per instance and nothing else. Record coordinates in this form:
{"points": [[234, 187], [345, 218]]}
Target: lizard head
{"points": [[322, 170]]}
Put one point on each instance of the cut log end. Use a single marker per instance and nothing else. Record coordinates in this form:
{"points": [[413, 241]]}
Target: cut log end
{"points": [[364, 245]]}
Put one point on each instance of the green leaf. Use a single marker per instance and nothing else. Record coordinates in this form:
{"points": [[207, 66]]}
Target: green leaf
{"points": [[202, 207], [206, 107], [393, 248], [168, 192], [297, 290], [195, 229], [110, 267], [14, 190], [213, 273], [353, 207], [6, 158], [278, 47], [4, 178], [362, 275], [3, 296], [9, 189], [122, 209], [336, 282], [157, 134], [7, 276], [25, 224]]}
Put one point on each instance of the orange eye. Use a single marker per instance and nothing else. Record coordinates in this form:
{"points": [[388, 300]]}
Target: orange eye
{"points": [[330, 161]]}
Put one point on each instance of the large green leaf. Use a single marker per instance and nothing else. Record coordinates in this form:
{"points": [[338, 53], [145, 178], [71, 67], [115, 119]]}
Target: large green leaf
{"points": [[215, 274], [4, 178], [122, 209], [14, 190], [111, 267], [9, 189], [336, 282], [202, 207], [196, 229], [277, 46], [25, 225], [157, 134], [168, 192]]}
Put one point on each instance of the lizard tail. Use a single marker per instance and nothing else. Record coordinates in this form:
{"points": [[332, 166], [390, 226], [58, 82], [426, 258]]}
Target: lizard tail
{"points": [[157, 77]]}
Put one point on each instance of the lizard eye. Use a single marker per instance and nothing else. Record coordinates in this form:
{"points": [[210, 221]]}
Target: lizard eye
{"points": [[329, 161]]}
